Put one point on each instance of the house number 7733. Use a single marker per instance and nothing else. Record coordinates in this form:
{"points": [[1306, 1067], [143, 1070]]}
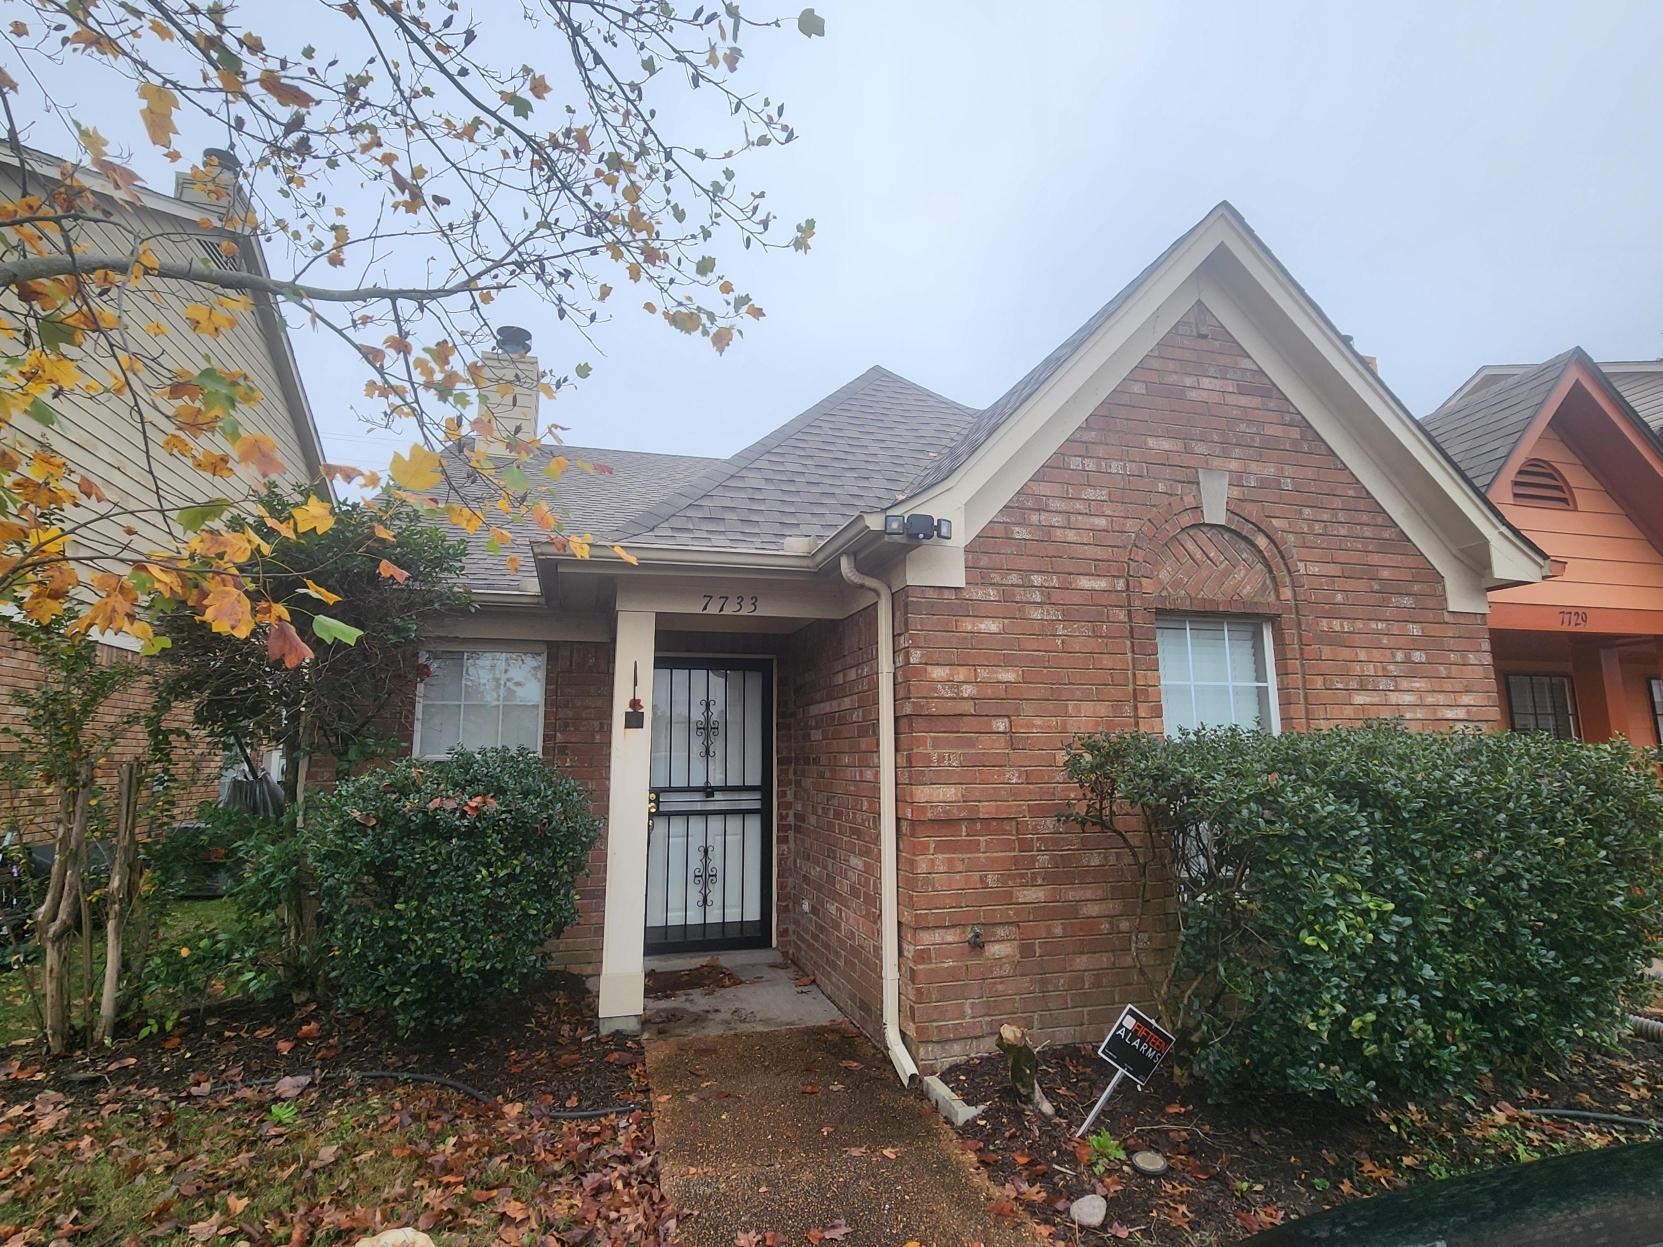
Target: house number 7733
{"points": [[729, 604]]}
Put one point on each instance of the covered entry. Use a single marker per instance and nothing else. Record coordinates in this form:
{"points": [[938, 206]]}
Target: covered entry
{"points": [[710, 808]]}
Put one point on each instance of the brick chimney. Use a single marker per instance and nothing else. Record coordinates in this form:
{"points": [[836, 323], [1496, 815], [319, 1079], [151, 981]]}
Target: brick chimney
{"points": [[213, 185], [510, 394]]}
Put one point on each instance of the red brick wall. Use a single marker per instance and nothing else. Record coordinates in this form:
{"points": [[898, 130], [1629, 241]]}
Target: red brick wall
{"points": [[828, 824], [196, 761], [1054, 634], [577, 737]]}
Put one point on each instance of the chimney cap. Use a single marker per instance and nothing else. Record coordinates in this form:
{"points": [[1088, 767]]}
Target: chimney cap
{"points": [[223, 157], [513, 340]]}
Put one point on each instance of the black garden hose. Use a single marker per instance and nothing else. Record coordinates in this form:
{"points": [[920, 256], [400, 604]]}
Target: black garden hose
{"points": [[1578, 1114], [576, 1114]]}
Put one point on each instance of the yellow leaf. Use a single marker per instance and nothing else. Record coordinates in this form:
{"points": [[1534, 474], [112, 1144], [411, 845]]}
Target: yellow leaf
{"points": [[227, 611], [313, 515], [579, 546], [391, 571], [720, 339], [557, 467], [383, 532], [419, 471], [323, 595], [157, 113], [626, 556], [208, 320], [465, 518]]}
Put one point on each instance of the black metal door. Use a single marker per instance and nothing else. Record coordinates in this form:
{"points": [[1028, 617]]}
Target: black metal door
{"points": [[710, 836]]}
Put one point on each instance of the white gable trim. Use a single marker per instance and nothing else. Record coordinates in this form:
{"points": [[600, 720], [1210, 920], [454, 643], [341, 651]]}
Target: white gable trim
{"points": [[1222, 265]]}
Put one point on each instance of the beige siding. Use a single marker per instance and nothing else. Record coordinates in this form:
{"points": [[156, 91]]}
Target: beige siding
{"points": [[101, 435]]}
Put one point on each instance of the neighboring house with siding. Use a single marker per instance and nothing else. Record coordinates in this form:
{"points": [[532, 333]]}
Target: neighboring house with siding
{"points": [[1569, 451], [827, 711], [100, 435]]}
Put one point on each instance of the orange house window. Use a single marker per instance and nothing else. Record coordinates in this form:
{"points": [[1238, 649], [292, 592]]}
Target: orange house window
{"points": [[1538, 483]]}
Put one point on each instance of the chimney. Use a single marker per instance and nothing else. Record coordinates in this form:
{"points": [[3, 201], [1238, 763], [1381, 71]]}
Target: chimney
{"points": [[510, 393], [213, 185], [1369, 361]]}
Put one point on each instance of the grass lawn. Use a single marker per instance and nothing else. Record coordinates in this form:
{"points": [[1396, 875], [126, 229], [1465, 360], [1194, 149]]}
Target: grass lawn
{"points": [[186, 922], [252, 1126], [226, 1168]]}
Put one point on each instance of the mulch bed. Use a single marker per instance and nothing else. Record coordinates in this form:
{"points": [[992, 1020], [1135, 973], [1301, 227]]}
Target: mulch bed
{"points": [[539, 1044], [710, 977], [1238, 1166]]}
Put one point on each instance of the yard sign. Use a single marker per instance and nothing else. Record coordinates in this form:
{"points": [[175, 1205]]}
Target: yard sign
{"points": [[1136, 1046]]}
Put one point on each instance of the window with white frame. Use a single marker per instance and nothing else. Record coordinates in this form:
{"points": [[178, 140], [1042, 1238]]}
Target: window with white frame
{"points": [[1216, 672], [477, 699]]}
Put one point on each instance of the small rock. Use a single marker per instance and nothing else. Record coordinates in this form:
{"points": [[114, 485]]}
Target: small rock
{"points": [[404, 1237], [1089, 1211]]}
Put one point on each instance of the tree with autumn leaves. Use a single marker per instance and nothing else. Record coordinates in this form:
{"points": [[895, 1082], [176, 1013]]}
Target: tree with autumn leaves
{"points": [[377, 171], [401, 178]]}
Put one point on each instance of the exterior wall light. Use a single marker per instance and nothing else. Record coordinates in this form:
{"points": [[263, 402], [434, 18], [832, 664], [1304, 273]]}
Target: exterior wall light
{"points": [[918, 527]]}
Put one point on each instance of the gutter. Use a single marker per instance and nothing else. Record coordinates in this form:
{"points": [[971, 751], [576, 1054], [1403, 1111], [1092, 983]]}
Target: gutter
{"points": [[889, 941]]}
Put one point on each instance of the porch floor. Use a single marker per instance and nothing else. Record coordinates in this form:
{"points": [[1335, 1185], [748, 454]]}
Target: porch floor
{"points": [[768, 997]]}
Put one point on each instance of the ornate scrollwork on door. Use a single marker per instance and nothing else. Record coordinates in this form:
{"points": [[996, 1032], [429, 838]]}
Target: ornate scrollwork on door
{"points": [[709, 727], [704, 876]]}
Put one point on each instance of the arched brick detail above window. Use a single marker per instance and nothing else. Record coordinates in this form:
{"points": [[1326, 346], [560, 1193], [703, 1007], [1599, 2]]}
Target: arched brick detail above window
{"points": [[1179, 562], [1212, 563]]}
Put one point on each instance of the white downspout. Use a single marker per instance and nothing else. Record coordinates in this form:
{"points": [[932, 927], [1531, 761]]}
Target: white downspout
{"points": [[889, 888]]}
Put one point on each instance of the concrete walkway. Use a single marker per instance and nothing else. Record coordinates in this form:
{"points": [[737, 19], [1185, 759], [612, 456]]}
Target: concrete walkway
{"points": [[792, 1130], [772, 994]]}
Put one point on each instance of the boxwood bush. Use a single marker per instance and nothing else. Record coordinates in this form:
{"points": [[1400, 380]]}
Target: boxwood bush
{"points": [[1369, 910], [440, 883]]}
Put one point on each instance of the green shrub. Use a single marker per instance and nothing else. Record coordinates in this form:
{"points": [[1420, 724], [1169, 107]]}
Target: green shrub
{"points": [[1368, 910], [440, 883]]}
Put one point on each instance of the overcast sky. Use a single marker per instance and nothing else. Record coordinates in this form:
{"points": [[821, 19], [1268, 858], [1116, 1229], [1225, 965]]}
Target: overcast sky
{"points": [[1455, 184]]}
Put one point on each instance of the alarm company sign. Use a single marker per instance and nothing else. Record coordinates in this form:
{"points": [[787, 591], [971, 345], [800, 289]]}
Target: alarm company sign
{"points": [[1137, 1044]]}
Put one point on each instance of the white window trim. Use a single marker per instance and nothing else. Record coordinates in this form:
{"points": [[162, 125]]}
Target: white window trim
{"points": [[1267, 635], [505, 647]]}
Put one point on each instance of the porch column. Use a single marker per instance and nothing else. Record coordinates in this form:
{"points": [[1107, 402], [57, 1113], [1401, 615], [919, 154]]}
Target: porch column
{"points": [[1597, 673], [623, 938]]}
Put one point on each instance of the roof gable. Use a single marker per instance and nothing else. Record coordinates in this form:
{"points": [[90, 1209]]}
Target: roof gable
{"points": [[1489, 425], [1479, 428], [1222, 263]]}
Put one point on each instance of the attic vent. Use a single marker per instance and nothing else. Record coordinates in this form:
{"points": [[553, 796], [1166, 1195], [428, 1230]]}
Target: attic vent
{"points": [[1538, 483], [218, 258]]}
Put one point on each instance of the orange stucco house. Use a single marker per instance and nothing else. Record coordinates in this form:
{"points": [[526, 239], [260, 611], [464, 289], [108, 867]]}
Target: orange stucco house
{"points": [[1565, 451]]}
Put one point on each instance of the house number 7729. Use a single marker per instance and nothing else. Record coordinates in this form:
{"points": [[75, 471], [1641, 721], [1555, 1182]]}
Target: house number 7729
{"points": [[729, 604], [1573, 619]]}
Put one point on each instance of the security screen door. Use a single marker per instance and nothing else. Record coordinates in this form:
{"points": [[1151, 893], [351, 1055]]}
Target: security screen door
{"points": [[709, 836]]}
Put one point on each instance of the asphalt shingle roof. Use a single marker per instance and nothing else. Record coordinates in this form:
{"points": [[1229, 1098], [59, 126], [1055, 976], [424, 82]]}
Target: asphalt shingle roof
{"points": [[1480, 430], [853, 451], [602, 501]]}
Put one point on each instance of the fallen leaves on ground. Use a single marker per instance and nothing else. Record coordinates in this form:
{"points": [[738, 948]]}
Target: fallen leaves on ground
{"points": [[136, 1163]]}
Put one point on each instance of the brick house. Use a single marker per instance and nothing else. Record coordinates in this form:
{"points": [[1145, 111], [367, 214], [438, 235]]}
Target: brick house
{"points": [[827, 711], [1569, 451], [99, 435]]}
